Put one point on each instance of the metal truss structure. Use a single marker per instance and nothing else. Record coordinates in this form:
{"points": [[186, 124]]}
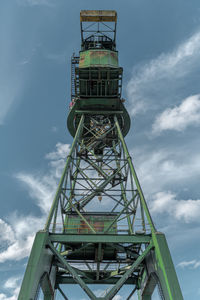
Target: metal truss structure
{"points": [[99, 229], [99, 215]]}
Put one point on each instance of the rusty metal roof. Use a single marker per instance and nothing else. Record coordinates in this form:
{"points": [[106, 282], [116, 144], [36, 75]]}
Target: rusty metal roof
{"points": [[98, 16]]}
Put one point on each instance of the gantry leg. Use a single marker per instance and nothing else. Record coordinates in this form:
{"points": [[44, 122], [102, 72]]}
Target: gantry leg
{"points": [[165, 268], [146, 297], [39, 263]]}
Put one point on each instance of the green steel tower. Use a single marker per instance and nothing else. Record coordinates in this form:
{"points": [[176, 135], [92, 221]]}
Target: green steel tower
{"points": [[99, 229]]}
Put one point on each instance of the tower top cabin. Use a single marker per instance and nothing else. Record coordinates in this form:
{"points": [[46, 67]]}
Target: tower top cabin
{"points": [[96, 77]]}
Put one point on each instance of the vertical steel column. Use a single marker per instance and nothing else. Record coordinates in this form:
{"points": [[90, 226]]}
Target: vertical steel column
{"points": [[39, 262], [165, 268]]}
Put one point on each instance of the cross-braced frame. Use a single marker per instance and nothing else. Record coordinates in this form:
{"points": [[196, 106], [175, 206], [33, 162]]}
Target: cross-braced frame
{"points": [[99, 228]]}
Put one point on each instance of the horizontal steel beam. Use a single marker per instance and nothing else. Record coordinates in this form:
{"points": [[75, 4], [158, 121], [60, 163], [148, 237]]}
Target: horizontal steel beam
{"points": [[97, 238], [70, 280], [97, 112]]}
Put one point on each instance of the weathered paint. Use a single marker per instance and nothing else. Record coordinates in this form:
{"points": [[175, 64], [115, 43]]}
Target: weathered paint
{"points": [[98, 16], [98, 106], [98, 58], [77, 226], [165, 268], [39, 263], [84, 237]]}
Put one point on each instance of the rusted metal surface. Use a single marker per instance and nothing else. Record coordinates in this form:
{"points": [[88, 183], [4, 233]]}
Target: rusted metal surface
{"points": [[98, 16], [77, 226]]}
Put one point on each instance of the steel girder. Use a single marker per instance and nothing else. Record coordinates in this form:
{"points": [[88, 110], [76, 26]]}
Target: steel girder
{"points": [[99, 229]]}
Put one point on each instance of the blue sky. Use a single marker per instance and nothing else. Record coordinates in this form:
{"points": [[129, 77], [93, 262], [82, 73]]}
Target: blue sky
{"points": [[159, 49]]}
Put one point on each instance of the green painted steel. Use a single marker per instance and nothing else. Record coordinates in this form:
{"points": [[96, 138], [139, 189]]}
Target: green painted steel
{"points": [[165, 268], [69, 158], [39, 263], [135, 239], [97, 106], [113, 280], [146, 297], [129, 271], [99, 229], [98, 58], [144, 205], [73, 272]]}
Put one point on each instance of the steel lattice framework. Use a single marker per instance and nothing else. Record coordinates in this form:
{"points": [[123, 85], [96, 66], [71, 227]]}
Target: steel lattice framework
{"points": [[99, 229]]}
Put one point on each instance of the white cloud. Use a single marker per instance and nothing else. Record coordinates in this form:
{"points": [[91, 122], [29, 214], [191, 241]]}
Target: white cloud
{"points": [[179, 117], [13, 297], [12, 283], [188, 209], [117, 297], [193, 264], [40, 188], [49, 3], [6, 232], [22, 235], [103, 293], [155, 80], [184, 210], [159, 170], [18, 250], [163, 202], [162, 168], [61, 152], [18, 233]]}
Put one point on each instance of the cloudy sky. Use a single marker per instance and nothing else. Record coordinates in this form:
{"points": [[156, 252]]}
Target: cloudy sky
{"points": [[159, 49]]}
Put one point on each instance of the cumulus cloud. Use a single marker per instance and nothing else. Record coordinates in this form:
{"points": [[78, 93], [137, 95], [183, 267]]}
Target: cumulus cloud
{"points": [[16, 237], [42, 187], [20, 230], [162, 202], [193, 264], [19, 243], [12, 283], [60, 153], [159, 169], [12, 286], [13, 297], [179, 117], [184, 210], [155, 80]]}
